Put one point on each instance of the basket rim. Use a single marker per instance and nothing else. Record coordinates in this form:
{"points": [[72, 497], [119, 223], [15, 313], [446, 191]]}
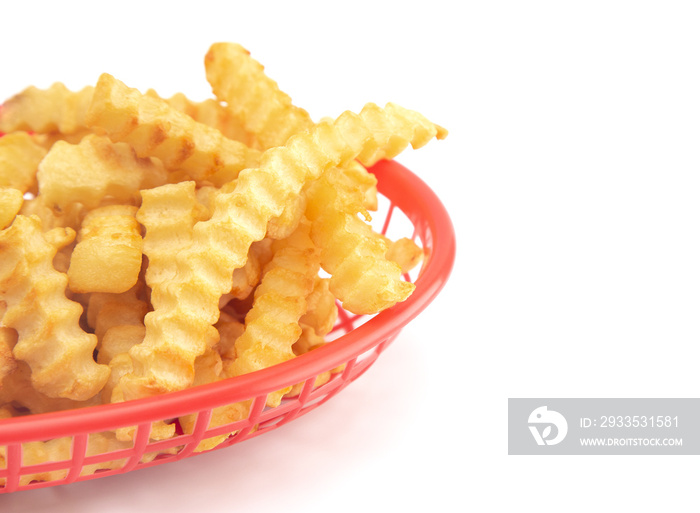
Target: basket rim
{"points": [[410, 194]]}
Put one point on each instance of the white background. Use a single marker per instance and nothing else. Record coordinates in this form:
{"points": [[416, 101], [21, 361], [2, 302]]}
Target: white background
{"points": [[572, 176]]}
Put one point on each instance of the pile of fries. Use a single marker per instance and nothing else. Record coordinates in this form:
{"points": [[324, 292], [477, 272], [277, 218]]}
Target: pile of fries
{"points": [[148, 245]]}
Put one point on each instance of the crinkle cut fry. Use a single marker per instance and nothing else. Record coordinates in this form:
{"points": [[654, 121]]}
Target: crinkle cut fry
{"points": [[168, 214], [19, 158], [210, 112], [398, 127], [10, 203], [17, 389], [93, 170], [8, 339], [177, 331], [108, 234], [155, 129], [254, 98], [322, 311], [272, 325], [56, 109], [50, 339], [362, 278]]}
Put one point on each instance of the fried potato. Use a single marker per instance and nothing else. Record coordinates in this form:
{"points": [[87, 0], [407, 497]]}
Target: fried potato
{"points": [[10, 202], [364, 181], [8, 339], [264, 110], [202, 228], [119, 314], [272, 324], [322, 310], [119, 339], [394, 128], [109, 235], [19, 158], [55, 109], [99, 300], [361, 276], [95, 170], [209, 112], [283, 226], [245, 279], [119, 366], [168, 213], [50, 218], [155, 129], [17, 389], [181, 326], [50, 339], [404, 252], [229, 330]]}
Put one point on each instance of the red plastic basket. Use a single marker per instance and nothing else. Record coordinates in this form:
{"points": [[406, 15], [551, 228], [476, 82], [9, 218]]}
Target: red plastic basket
{"points": [[360, 341]]}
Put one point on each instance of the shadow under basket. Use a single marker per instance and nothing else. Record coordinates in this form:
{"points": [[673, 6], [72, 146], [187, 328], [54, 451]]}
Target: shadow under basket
{"points": [[59, 448]]}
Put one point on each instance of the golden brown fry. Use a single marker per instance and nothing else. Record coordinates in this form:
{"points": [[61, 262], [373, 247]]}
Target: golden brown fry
{"points": [[10, 202], [119, 339], [8, 339], [99, 300], [272, 325], [229, 330], [119, 314], [209, 112], [244, 279], [361, 277], [155, 129], [47, 141], [168, 213], [282, 226], [50, 338], [55, 109], [322, 310], [395, 128], [71, 217], [404, 252], [364, 181], [181, 326], [218, 215], [95, 170], [255, 99], [109, 235], [119, 365], [19, 158], [17, 388]]}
